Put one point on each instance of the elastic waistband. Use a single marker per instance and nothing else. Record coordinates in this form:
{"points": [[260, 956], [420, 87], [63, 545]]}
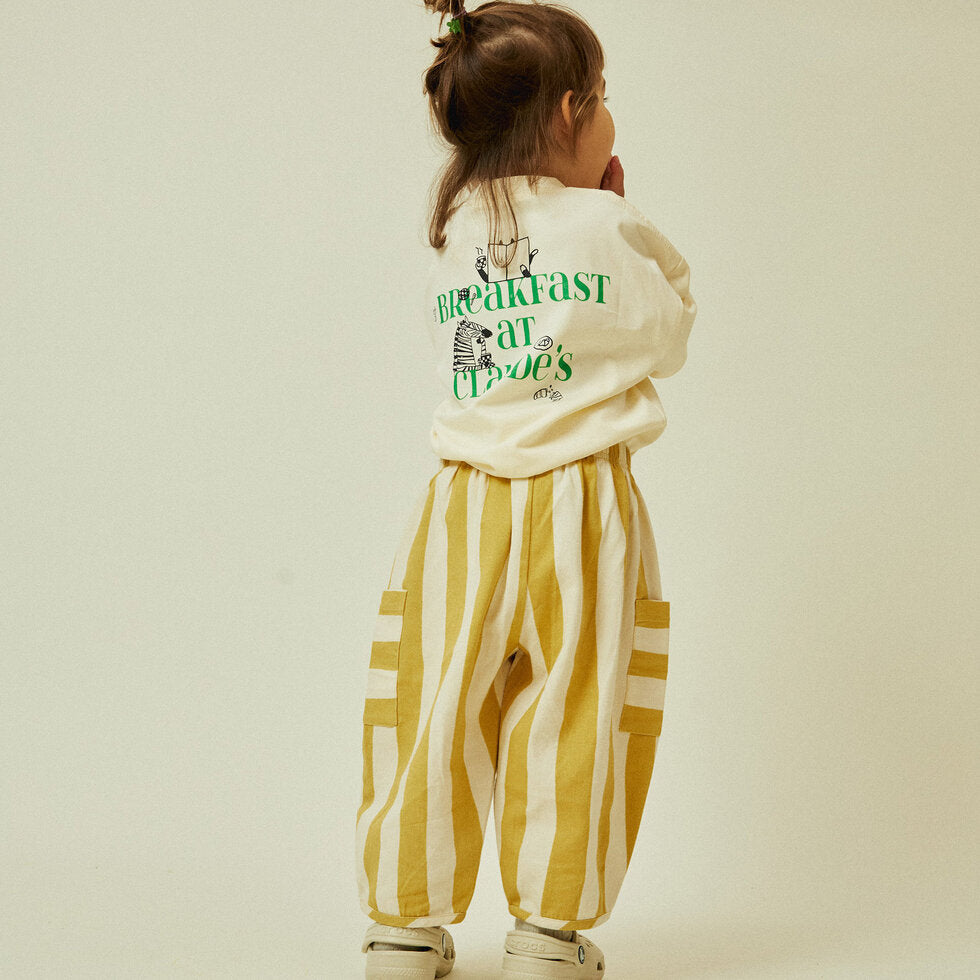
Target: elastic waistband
{"points": [[615, 454]]}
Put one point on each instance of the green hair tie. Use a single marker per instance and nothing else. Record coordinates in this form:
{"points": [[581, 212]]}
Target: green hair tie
{"points": [[454, 25]]}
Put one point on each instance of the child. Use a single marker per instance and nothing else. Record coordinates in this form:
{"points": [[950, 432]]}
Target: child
{"points": [[520, 649]]}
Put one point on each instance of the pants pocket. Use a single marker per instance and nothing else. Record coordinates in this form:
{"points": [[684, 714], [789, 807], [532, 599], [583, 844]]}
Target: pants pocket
{"points": [[381, 700], [646, 675]]}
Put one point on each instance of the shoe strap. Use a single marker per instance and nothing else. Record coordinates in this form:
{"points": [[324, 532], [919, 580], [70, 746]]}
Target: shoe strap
{"points": [[526, 943], [430, 936]]}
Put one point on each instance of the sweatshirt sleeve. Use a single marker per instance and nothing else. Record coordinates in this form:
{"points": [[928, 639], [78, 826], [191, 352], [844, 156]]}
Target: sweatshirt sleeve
{"points": [[655, 296]]}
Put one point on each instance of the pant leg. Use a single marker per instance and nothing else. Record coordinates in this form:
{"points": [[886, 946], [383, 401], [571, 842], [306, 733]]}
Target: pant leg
{"points": [[582, 701], [431, 713]]}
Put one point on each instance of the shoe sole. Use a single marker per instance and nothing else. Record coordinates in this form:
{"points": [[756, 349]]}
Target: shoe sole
{"points": [[393, 964], [542, 970]]}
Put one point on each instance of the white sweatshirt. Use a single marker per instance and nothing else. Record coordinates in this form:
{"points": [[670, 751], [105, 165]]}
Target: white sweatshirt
{"points": [[549, 358]]}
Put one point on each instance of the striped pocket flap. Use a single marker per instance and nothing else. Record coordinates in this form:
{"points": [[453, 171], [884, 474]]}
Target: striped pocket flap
{"points": [[381, 700], [646, 675]]}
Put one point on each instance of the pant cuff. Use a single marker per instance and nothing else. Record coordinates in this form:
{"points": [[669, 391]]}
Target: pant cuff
{"points": [[416, 921], [562, 924]]}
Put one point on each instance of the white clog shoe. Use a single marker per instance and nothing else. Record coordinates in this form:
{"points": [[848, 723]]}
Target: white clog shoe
{"points": [[436, 960], [533, 955]]}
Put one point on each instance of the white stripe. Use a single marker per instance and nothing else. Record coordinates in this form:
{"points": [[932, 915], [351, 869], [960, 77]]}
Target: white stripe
{"points": [[651, 639], [381, 683], [645, 692], [388, 628]]}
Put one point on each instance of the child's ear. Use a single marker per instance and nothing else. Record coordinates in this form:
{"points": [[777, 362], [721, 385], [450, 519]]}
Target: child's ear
{"points": [[566, 109], [563, 117]]}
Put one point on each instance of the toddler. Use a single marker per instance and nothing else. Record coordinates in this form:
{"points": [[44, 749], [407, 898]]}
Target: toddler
{"points": [[519, 655]]}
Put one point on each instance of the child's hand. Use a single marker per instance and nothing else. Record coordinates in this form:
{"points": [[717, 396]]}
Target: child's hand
{"points": [[612, 179]]}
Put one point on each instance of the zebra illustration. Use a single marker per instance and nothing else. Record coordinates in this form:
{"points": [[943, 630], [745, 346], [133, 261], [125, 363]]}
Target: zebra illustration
{"points": [[470, 347]]}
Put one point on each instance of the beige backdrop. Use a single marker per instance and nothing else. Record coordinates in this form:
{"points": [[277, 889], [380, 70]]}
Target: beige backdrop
{"points": [[216, 396]]}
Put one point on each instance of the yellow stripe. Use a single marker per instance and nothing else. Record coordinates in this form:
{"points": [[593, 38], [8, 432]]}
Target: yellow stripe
{"points": [[489, 723], [380, 711], [565, 879], [367, 789], [653, 612], [384, 655], [392, 602], [645, 664], [641, 751], [642, 721]]}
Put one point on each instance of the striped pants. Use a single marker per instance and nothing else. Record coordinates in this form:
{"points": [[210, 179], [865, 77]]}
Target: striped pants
{"points": [[519, 657]]}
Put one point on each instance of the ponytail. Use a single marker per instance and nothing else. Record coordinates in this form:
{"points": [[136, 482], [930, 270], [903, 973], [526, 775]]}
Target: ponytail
{"points": [[493, 89]]}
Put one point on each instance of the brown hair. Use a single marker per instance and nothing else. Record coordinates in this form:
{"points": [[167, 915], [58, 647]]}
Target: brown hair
{"points": [[493, 90]]}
